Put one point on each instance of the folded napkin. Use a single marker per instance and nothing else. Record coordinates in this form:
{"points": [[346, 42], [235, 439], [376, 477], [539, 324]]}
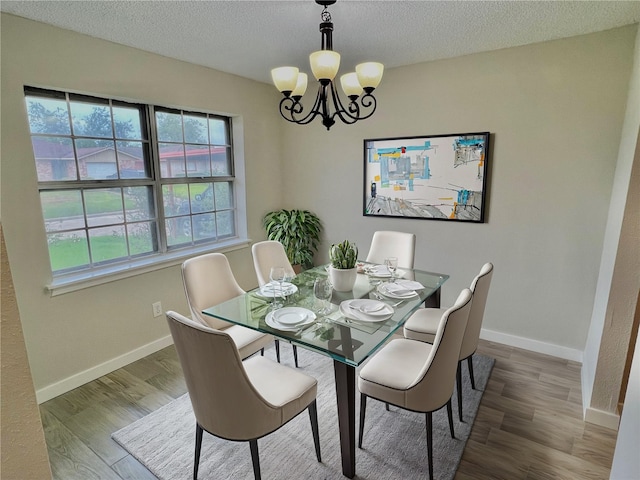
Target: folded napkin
{"points": [[398, 289], [380, 270], [410, 284]]}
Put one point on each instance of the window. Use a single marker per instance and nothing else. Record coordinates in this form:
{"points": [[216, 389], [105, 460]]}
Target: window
{"points": [[121, 181]]}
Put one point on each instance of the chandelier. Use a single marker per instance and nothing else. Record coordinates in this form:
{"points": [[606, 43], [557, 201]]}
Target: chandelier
{"points": [[325, 64]]}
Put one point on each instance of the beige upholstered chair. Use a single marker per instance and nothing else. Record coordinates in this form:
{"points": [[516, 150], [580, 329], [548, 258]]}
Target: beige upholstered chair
{"points": [[208, 281], [236, 400], [269, 254], [418, 376], [386, 244], [423, 324]]}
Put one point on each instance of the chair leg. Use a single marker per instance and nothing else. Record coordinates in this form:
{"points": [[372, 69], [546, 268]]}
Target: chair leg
{"points": [[295, 355], [459, 384], [450, 415], [262, 352], [196, 461], [313, 415], [277, 350], [430, 444], [363, 408], [386, 406], [255, 459], [470, 365]]}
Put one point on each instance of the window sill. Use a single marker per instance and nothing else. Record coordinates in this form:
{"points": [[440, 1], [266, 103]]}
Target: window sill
{"points": [[77, 281]]}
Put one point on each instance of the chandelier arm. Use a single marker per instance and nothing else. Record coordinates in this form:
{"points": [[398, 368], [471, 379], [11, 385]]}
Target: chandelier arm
{"points": [[294, 107]]}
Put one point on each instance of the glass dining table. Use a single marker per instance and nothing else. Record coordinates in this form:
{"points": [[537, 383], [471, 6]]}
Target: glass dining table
{"points": [[337, 334]]}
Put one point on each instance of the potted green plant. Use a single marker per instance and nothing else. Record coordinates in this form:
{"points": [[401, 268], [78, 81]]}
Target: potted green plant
{"points": [[343, 271], [298, 231]]}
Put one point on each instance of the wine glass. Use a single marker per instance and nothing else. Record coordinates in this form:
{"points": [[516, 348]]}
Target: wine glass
{"points": [[322, 290], [277, 276], [392, 265]]}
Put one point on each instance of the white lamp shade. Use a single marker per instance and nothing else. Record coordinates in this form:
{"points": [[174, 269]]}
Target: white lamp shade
{"points": [[301, 86], [369, 74], [285, 78], [324, 64], [350, 84]]}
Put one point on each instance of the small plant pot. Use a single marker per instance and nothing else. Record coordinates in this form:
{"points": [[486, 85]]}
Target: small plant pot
{"points": [[343, 280]]}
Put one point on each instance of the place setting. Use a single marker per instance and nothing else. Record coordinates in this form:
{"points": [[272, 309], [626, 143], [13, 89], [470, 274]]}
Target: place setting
{"points": [[400, 289], [290, 319]]}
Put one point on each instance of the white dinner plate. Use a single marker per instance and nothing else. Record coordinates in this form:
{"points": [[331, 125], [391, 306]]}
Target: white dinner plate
{"points": [[373, 308], [309, 318], [290, 315], [400, 295], [356, 314], [269, 290]]}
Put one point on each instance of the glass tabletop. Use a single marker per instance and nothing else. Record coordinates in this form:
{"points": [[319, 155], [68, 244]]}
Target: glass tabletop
{"points": [[349, 340]]}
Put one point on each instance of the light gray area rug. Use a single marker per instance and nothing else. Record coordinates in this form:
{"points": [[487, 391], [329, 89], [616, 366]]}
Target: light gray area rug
{"points": [[394, 445]]}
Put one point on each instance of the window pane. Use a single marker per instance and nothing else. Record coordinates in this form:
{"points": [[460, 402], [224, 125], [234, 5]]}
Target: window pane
{"points": [[175, 199], [131, 160], [224, 195], [218, 131], [138, 204], [48, 115], [172, 160], [201, 197], [96, 159], [169, 127], [204, 226], [195, 129], [127, 122], [221, 161], [91, 119], [141, 238], [104, 206], [198, 164], [107, 243], [178, 230], [68, 250], [226, 224], [62, 210], [55, 159]]}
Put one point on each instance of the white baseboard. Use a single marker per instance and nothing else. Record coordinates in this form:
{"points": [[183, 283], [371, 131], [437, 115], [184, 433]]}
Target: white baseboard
{"points": [[602, 418], [68, 384], [532, 345]]}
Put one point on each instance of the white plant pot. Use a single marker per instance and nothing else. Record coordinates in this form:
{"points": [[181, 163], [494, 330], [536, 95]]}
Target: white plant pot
{"points": [[343, 280]]}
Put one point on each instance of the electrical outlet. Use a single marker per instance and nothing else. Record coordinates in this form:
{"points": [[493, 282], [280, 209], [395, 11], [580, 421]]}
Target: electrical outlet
{"points": [[157, 309]]}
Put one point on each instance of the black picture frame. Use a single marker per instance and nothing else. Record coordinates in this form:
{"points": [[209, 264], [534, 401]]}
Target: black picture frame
{"points": [[428, 177]]}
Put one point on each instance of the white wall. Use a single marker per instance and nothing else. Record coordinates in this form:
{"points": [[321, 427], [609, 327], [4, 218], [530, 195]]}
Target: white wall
{"points": [[75, 337], [555, 111], [619, 278]]}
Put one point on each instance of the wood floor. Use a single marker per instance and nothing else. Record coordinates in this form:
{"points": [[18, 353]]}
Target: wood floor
{"points": [[529, 425]]}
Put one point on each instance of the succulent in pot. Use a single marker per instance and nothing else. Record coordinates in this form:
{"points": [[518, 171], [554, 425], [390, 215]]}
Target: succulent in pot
{"points": [[343, 272]]}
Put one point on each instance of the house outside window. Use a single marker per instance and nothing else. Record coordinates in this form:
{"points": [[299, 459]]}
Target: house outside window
{"points": [[121, 181]]}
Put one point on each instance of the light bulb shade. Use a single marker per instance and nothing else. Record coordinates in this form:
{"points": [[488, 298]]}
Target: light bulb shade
{"points": [[369, 74], [350, 84], [324, 64], [285, 78], [301, 86]]}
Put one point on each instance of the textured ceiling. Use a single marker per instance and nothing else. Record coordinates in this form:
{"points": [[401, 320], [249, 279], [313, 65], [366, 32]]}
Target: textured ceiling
{"points": [[248, 38]]}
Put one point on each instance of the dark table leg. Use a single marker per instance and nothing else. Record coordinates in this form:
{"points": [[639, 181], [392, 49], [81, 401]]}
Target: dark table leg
{"points": [[346, 398], [433, 300]]}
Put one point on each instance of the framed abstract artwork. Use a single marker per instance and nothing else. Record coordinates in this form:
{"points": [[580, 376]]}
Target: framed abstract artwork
{"points": [[432, 177]]}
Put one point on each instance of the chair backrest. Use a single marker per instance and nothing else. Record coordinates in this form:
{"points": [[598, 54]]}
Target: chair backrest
{"points": [[480, 289], [208, 281], [386, 244], [434, 387], [224, 400], [267, 254]]}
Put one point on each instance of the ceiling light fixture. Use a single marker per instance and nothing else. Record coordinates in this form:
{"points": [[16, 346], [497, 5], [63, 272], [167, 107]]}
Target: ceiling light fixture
{"points": [[324, 65]]}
